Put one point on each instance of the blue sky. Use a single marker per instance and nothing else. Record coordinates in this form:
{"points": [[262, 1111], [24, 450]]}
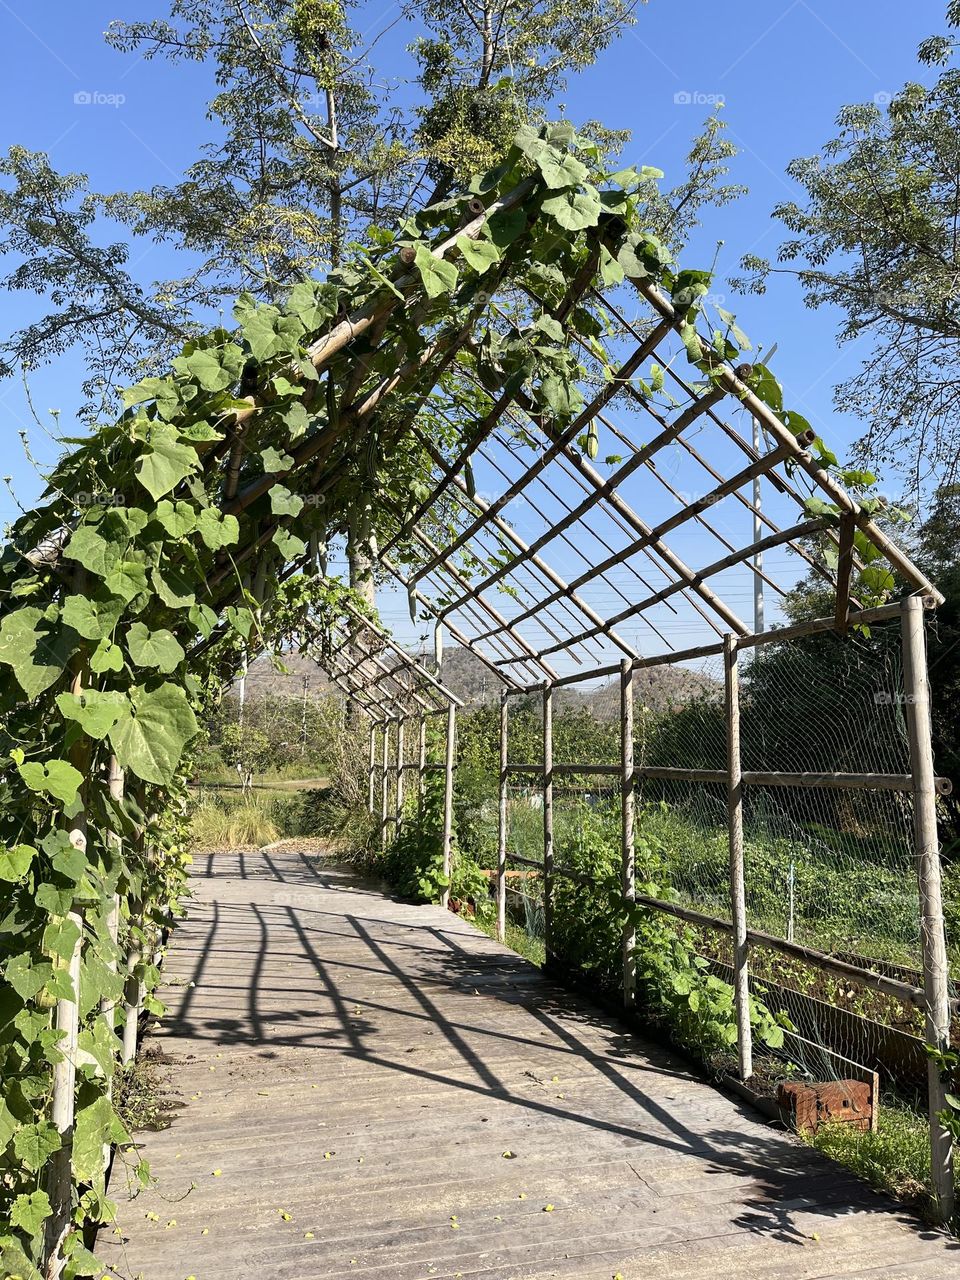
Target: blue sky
{"points": [[783, 70]]}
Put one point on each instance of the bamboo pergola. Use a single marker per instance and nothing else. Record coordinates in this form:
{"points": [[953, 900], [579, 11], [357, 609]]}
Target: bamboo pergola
{"points": [[627, 596]]}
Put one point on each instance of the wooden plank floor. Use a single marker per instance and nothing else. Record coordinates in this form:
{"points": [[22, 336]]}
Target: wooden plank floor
{"points": [[353, 1071]]}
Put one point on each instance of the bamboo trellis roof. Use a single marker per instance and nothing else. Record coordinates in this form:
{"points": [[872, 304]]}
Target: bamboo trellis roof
{"points": [[682, 474]]}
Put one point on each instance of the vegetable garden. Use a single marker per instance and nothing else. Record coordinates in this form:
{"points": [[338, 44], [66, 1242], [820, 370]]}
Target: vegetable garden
{"points": [[449, 390]]}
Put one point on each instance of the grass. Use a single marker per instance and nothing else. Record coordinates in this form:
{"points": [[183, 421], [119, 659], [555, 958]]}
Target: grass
{"points": [[232, 819], [517, 939], [895, 1159]]}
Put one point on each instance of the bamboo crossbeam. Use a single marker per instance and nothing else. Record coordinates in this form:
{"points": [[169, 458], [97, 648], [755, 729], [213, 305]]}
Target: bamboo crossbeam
{"points": [[408, 659], [527, 555], [383, 673], [760, 778], [406, 665], [561, 500], [483, 604], [778, 480], [844, 571], [458, 635], [686, 575], [691, 511], [481, 433], [862, 617], [821, 477], [561, 440], [727, 562]]}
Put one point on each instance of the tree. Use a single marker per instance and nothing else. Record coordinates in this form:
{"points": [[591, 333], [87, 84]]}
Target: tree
{"points": [[879, 238], [309, 153]]}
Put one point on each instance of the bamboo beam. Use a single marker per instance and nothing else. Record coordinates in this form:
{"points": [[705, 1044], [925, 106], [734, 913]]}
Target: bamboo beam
{"points": [[548, 770], [936, 972], [673, 561], [502, 815], [384, 783], [738, 900], [458, 635], [893, 987], [371, 766], [421, 762], [628, 885], [401, 734], [844, 572], [527, 556], [505, 629], [448, 768]]}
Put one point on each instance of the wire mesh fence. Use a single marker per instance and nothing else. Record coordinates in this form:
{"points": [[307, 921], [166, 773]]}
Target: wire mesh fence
{"points": [[821, 827]]}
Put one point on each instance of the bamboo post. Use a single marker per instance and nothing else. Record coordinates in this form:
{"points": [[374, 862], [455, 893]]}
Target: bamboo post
{"points": [[401, 766], [738, 904], [627, 819], [502, 824], [371, 769], [132, 992], [932, 934], [384, 783], [547, 816], [66, 1022], [421, 761], [133, 987], [115, 786], [448, 800]]}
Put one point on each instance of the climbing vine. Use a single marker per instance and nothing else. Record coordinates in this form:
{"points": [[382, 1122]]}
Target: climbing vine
{"points": [[192, 531]]}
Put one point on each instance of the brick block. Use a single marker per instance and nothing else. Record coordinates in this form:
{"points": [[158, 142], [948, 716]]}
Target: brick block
{"points": [[836, 1102]]}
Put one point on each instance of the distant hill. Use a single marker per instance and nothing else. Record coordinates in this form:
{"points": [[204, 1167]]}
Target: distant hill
{"points": [[265, 681], [473, 682]]}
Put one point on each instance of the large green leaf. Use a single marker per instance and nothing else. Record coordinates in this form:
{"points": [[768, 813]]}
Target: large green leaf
{"points": [[149, 741], [95, 712], [15, 863], [574, 210], [91, 617], [33, 644], [218, 531], [480, 255], [166, 462], [206, 368], [283, 502], [57, 778], [25, 977], [178, 518], [96, 1124], [174, 587], [437, 276], [89, 547], [159, 649], [561, 171], [30, 1211], [106, 657], [35, 1144]]}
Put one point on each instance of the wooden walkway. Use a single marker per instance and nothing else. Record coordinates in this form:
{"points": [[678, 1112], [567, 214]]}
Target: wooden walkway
{"points": [[375, 1089]]}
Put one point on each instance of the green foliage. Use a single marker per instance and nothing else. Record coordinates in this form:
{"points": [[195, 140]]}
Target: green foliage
{"points": [[874, 238], [895, 1158], [675, 985]]}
